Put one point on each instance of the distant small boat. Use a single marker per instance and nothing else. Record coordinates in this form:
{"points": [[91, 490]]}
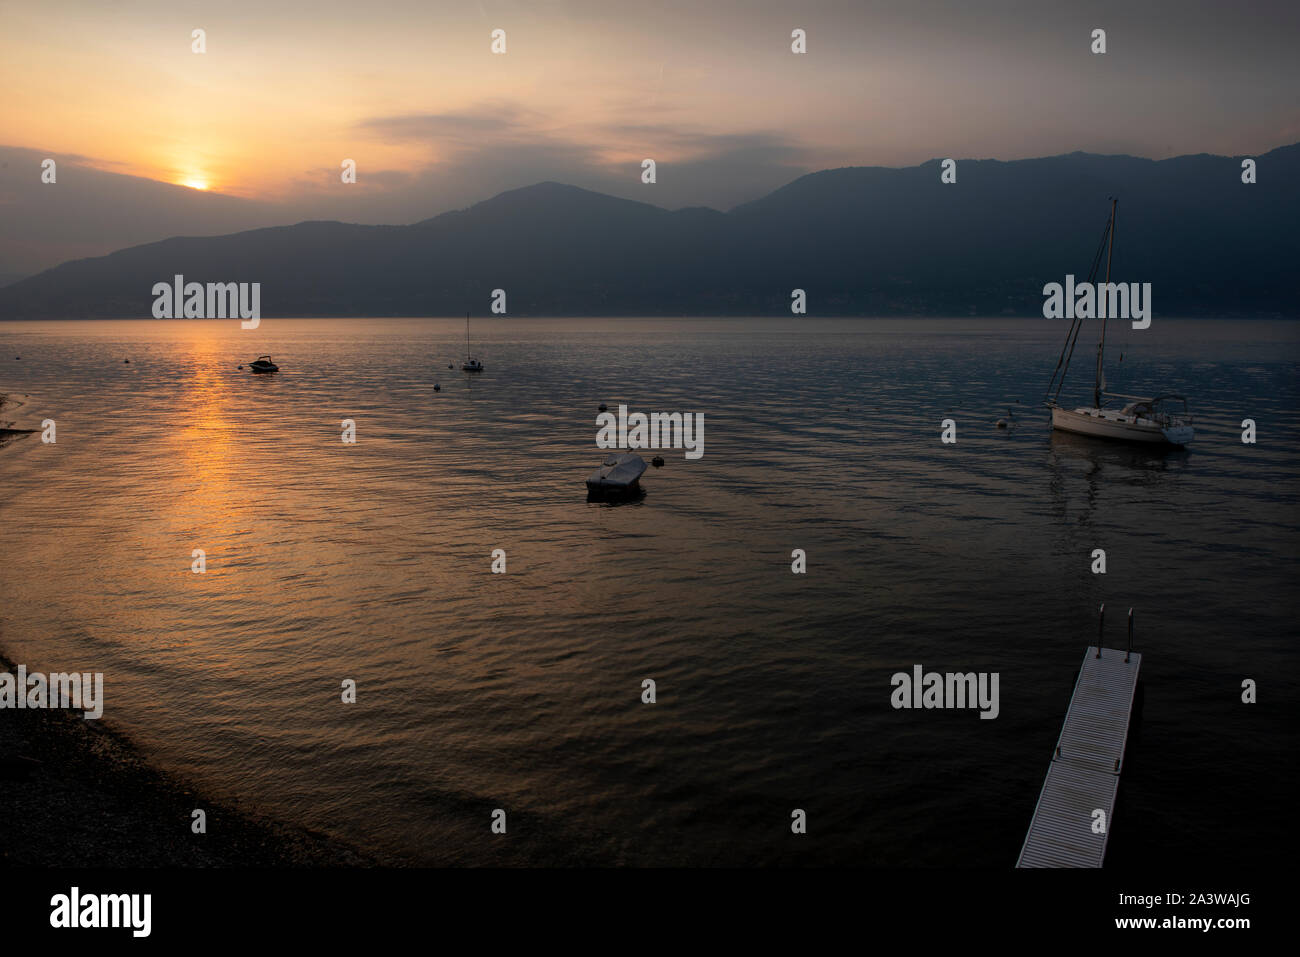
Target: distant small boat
{"points": [[1162, 420], [620, 473], [470, 364], [263, 364]]}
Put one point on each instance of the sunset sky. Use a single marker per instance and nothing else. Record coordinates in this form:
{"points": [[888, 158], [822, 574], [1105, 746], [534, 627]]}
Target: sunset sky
{"points": [[586, 90]]}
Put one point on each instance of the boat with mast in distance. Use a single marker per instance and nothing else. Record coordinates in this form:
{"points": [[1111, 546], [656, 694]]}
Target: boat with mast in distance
{"points": [[1161, 419], [470, 364]]}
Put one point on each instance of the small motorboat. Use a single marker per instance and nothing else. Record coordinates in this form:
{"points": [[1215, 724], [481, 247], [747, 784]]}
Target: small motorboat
{"points": [[619, 474], [263, 364]]}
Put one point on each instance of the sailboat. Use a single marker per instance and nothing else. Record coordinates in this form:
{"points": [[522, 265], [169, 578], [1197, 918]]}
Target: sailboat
{"points": [[1161, 419], [470, 364]]}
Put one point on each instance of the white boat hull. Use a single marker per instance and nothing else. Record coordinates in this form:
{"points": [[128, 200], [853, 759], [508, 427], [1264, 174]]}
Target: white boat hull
{"points": [[1109, 424]]}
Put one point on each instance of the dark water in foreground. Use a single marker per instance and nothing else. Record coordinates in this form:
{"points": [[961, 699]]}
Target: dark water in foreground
{"points": [[522, 691]]}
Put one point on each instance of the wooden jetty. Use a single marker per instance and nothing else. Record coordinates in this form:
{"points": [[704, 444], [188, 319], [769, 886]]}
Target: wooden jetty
{"points": [[1084, 774]]}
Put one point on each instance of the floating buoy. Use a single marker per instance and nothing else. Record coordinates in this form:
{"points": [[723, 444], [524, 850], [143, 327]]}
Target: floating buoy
{"points": [[127, 361], [436, 387], [603, 407], [1002, 423], [657, 461]]}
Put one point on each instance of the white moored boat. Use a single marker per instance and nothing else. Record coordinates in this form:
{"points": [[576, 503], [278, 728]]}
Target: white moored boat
{"points": [[1162, 420], [1141, 420], [620, 472]]}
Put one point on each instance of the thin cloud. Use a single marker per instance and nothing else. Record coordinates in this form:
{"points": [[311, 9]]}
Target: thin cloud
{"points": [[498, 146]]}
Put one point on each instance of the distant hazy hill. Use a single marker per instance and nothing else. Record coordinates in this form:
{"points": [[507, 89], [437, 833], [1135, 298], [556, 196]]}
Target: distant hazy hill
{"points": [[91, 212], [860, 241]]}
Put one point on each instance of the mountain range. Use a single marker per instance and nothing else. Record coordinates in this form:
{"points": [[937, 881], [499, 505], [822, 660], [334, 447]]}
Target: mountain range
{"points": [[864, 241]]}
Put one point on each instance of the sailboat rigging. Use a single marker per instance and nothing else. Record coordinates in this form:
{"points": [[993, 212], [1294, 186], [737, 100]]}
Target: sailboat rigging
{"points": [[470, 364], [1162, 419]]}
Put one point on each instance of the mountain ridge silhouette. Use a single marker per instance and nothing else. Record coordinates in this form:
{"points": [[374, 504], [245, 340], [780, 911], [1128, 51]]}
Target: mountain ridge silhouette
{"points": [[874, 241]]}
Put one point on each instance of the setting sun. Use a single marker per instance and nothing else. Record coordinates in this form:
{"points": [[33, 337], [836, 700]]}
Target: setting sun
{"points": [[195, 183]]}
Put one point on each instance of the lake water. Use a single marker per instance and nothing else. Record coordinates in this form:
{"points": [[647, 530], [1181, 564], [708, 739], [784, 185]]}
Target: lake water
{"points": [[522, 691]]}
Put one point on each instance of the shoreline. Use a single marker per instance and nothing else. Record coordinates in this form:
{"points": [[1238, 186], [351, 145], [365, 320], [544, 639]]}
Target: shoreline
{"points": [[74, 793]]}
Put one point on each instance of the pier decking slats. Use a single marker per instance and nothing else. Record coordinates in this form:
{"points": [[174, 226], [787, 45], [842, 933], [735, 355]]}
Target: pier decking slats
{"points": [[1083, 775]]}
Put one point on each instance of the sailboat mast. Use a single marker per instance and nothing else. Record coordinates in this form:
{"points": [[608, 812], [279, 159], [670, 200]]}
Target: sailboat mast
{"points": [[467, 350], [1101, 345]]}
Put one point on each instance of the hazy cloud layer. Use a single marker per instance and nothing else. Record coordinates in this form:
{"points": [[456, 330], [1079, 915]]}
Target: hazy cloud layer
{"points": [[503, 146]]}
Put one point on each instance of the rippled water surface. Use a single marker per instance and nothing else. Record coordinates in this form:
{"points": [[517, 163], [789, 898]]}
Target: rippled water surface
{"points": [[328, 561]]}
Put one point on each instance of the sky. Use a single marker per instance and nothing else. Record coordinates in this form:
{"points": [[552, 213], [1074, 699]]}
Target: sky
{"points": [[587, 89]]}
